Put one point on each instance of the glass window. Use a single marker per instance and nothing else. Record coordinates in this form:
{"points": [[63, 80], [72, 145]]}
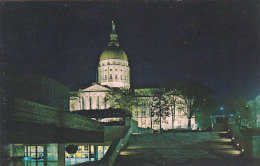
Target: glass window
{"points": [[98, 102], [116, 76], [110, 76]]}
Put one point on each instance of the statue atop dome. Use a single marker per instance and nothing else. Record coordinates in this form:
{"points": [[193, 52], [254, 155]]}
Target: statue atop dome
{"points": [[113, 37]]}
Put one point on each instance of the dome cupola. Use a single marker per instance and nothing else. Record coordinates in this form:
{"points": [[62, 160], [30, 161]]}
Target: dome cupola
{"points": [[113, 69], [113, 51]]}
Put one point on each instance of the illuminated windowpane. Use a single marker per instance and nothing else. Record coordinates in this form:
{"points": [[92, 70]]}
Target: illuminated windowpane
{"points": [[40, 149], [33, 148]]}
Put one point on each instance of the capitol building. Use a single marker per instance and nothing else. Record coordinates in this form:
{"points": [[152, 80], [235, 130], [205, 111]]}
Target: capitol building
{"points": [[114, 72]]}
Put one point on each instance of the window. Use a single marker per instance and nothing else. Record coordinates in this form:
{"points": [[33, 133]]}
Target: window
{"points": [[219, 119], [116, 69], [90, 101], [105, 103], [110, 69], [116, 76], [83, 103], [105, 77], [34, 152], [110, 77], [98, 102], [121, 77], [179, 111]]}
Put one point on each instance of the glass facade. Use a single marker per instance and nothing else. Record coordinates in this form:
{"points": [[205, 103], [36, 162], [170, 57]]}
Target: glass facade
{"points": [[34, 152], [88, 151]]}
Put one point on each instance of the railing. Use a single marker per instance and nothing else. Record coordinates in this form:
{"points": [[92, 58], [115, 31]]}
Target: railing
{"points": [[115, 147], [118, 144]]}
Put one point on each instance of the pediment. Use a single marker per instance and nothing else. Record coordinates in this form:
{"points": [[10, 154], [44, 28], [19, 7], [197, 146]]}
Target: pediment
{"points": [[96, 88]]}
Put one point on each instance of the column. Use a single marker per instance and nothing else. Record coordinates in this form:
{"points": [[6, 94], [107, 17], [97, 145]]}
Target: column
{"points": [[95, 152], [61, 154]]}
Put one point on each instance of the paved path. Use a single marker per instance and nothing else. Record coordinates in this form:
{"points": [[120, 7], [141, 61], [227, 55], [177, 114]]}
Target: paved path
{"points": [[189, 148]]}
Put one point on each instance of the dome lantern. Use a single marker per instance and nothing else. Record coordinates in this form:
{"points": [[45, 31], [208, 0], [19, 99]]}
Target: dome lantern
{"points": [[113, 70], [113, 37], [113, 51]]}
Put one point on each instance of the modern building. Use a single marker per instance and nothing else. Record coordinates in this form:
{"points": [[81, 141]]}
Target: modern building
{"points": [[114, 72], [42, 90]]}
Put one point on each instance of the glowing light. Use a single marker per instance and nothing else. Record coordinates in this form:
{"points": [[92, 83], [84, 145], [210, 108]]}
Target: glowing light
{"points": [[117, 151], [18, 144], [26, 158], [242, 150], [233, 138], [237, 144], [122, 144]]}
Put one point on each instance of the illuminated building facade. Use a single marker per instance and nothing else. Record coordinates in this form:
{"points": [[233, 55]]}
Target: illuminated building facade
{"points": [[114, 72]]}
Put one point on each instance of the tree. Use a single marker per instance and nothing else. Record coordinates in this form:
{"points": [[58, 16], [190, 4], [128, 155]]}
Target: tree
{"points": [[159, 105], [121, 98], [194, 95], [237, 105], [203, 119], [173, 97]]}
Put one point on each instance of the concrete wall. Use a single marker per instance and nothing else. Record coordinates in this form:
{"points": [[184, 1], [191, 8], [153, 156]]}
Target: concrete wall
{"points": [[256, 147]]}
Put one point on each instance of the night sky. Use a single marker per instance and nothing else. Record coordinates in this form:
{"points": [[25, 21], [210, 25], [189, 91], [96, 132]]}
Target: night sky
{"points": [[214, 43]]}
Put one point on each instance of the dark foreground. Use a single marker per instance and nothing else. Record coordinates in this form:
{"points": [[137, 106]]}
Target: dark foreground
{"points": [[181, 149]]}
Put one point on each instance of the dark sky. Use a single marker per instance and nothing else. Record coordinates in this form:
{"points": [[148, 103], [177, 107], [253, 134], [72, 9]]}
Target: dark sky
{"points": [[214, 43]]}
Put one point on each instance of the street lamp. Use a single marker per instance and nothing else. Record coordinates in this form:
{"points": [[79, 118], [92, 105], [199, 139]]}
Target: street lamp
{"points": [[221, 108]]}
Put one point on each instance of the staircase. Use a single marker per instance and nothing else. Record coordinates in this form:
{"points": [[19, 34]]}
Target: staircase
{"points": [[180, 148]]}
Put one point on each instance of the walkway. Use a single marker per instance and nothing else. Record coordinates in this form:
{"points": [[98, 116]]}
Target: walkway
{"points": [[182, 148]]}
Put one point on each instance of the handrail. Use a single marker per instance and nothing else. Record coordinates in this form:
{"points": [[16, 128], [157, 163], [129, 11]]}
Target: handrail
{"points": [[116, 146]]}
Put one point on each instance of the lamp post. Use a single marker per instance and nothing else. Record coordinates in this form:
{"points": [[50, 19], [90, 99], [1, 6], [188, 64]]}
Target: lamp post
{"points": [[221, 108]]}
